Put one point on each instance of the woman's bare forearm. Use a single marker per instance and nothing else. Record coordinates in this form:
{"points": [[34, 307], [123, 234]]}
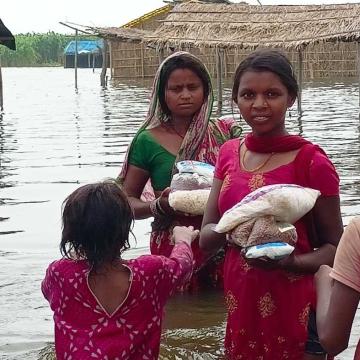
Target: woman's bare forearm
{"points": [[141, 208], [211, 241]]}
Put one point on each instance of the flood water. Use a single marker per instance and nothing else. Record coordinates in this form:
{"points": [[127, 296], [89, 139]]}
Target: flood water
{"points": [[52, 140]]}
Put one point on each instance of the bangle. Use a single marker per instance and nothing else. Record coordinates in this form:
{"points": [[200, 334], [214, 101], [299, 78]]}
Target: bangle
{"points": [[153, 208], [156, 209], [159, 207]]}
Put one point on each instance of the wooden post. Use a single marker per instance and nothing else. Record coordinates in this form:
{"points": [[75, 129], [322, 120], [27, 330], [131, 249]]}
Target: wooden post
{"points": [[142, 60], [76, 59], [300, 80], [111, 59], [161, 55], [358, 66], [1, 90], [219, 71], [93, 62], [104, 64], [89, 60]]}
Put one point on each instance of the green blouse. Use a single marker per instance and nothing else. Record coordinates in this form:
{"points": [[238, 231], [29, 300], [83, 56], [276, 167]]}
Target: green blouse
{"points": [[147, 154]]}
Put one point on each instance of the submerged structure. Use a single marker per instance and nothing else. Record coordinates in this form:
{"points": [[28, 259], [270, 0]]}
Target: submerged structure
{"points": [[89, 54]]}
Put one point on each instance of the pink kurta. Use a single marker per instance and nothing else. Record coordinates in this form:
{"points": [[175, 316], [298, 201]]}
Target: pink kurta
{"points": [[267, 309], [84, 330]]}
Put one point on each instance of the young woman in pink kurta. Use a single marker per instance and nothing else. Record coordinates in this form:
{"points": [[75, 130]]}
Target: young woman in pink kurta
{"points": [[269, 302], [105, 307]]}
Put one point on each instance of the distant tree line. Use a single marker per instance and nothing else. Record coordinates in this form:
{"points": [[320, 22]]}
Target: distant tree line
{"points": [[33, 49]]}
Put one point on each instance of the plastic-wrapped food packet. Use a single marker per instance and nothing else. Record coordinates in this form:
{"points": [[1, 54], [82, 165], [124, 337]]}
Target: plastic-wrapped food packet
{"points": [[189, 181], [286, 202], [198, 167], [190, 202], [273, 251], [190, 188], [263, 230]]}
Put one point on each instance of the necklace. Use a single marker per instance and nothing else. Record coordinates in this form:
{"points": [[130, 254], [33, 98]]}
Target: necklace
{"points": [[170, 125], [242, 159]]}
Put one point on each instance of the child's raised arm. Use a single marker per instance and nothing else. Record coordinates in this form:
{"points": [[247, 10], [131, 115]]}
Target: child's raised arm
{"points": [[179, 266]]}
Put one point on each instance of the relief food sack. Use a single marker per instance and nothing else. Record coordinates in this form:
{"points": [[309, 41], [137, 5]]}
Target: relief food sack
{"points": [[190, 188], [190, 202], [273, 251], [263, 230], [286, 202]]}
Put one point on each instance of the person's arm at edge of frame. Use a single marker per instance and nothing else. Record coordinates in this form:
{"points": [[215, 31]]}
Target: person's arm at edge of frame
{"points": [[335, 311], [329, 228], [211, 241]]}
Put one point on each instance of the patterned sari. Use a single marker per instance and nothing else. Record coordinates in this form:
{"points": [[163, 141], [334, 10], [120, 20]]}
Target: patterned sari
{"points": [[202, 142]]}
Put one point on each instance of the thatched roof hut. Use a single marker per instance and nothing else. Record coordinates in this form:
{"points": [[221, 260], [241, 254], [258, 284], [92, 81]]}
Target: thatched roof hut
{"points": [[322, 41], [195, 24], [249, 26]]}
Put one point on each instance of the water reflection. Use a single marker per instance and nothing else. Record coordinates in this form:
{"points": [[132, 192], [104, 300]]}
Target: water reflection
{"points": [[53, 139]]}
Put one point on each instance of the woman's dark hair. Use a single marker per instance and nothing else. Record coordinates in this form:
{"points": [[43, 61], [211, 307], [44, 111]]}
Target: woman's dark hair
{"points": [[97, 220], [181, 63], [270, 60]]}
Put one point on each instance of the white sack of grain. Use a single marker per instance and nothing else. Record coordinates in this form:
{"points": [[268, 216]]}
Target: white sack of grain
{"points": [[189, 201], [286, 202]]}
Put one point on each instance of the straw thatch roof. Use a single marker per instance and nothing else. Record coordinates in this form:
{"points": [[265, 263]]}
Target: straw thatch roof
{"points": [[120, 33], [249, 26]]}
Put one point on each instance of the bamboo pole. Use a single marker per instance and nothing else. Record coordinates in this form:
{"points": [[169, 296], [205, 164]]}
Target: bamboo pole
{"points": [[161, 55], [104, 64], [142, 60], [358, 65], [111, 59], [76, 59], [300, 80], [1, 92], [219, 67]]}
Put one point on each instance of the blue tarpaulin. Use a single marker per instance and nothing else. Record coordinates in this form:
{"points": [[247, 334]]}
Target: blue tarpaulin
{"points": [[84, 47]]}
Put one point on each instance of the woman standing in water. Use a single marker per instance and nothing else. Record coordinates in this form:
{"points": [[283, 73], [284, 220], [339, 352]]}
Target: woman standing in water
{"points": [[269, 302], [177, 127]]}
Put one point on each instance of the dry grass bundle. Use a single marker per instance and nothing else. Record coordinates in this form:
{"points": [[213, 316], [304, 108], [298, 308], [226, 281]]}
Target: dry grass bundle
{"points": [[249, 26]]}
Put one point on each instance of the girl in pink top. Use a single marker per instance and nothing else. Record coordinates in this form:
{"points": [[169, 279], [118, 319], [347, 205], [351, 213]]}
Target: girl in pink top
{"points": [[105, 307]]}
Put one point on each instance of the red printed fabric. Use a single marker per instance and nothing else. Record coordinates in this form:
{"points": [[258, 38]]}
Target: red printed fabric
{"points": [[84, 330], [267, 309], [206, 273]]}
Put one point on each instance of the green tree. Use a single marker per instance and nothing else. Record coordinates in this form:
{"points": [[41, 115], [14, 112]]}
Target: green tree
{"points": [[33, 49]]}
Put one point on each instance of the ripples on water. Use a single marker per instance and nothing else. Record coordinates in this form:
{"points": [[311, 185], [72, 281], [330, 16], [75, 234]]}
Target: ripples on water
{"points": [[53, 139]]}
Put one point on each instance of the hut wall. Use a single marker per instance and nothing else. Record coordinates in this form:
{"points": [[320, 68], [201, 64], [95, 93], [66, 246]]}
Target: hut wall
{"points": [[320, 61], [131, 60]]}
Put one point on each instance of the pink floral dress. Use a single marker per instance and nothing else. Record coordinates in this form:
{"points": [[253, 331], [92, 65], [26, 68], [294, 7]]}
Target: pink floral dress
{"points": [[84, 330], [267, 309]]}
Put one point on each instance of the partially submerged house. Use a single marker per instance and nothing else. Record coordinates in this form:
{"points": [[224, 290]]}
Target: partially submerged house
{"points": [[326, 36], [89, 54], [129, 57]]}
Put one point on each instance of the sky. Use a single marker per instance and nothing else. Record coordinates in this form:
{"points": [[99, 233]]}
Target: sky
{"points": [[22, 16]]}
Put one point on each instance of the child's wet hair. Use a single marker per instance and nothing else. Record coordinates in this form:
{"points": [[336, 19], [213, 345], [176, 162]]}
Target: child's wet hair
{"points": [[271, 60], [97, 220], [181, 62]]}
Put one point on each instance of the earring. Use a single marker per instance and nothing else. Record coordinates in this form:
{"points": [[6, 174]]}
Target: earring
{"points": [[290, 114]]}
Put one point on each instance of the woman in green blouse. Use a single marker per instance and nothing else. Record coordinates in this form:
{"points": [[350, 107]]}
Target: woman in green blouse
{"points": [[177, 127]]}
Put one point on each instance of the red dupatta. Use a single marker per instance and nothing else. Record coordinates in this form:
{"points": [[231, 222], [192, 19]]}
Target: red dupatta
{"points": [[277, 144]]}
